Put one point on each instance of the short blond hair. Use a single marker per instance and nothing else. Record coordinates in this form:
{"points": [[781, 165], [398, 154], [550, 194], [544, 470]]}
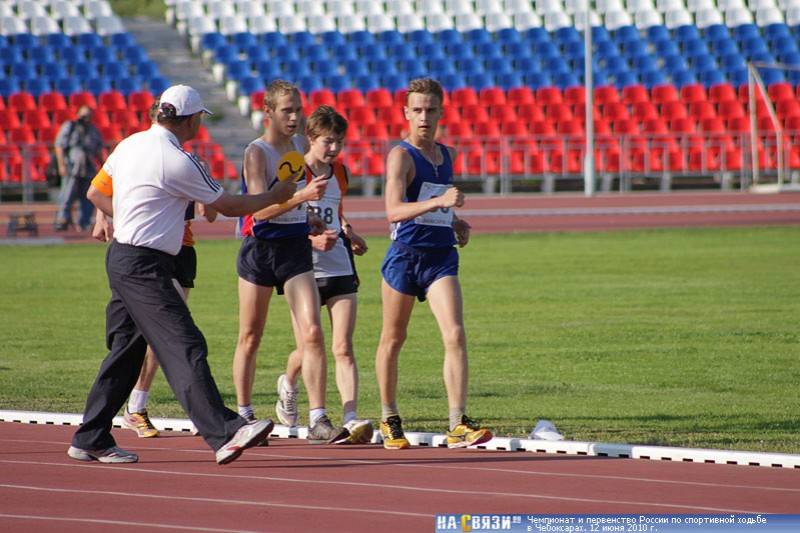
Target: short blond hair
{"points": [[426, 86], [325, 119], [277, 89]]}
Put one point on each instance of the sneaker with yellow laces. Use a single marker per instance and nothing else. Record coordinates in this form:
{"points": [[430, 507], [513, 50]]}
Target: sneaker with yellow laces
{"points": [[140, 423], [392, 433], [468, 433]]}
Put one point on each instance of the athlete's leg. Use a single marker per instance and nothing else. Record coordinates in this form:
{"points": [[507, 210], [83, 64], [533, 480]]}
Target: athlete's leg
{"points": [[303, 299], [397, 309], [446, 304], [342, 311], [294, 363], [253, 305]]}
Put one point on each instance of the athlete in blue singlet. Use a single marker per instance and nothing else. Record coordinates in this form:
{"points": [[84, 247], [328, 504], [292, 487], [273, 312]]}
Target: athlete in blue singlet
{"points": [[422, 263]]}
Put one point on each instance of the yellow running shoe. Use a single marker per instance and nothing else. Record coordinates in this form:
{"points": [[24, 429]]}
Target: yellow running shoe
{"points": [[140, 423], [467, 433], [392, 433]]}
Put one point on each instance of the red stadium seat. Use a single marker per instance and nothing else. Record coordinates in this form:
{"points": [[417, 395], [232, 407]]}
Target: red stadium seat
{"points": [[502, 114], [693, 93], [701, 109], [141, 101], [100, 118], [112, 101], [376, 165], [722, 92], [542, 128], [474, 114], [21, 135], [787, 108], [625, 126], [256, 100], [655, 126], [645, 110], [780, 91], [548, 95], [399, 97], [518, 96], [673, 110], [729, 109], [52, 101], [2, 103], [318, 98], [712, 125], [21, 101], [111, 134], [571, 127], [82, 98], [9, 119], [36, 119], [350, 98], [492, 97], [605, 95], [464, 97], [530, 112], [558, 111], [488, 129], [661, 94], [379, 97], [62, 115], [46, 135], [459, 130], [634, 93], [615, 111], [376, 130], [516, 128]]}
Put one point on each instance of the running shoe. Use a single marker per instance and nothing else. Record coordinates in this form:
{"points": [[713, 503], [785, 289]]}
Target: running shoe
{"points": [[324, 432], [249, 435], [358, 432], [467, 433], [109, 455], [286, 408], [392, 433], [252, 418], [140, 423]]}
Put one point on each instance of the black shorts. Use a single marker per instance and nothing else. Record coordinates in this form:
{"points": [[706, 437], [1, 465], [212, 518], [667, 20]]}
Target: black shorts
{"points": [[186, 267], [336, 286], [271, 263]]}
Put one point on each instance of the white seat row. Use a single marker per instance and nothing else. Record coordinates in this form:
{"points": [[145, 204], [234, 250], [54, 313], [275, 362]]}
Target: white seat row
{"points": [[57, 9], [70, 25]]}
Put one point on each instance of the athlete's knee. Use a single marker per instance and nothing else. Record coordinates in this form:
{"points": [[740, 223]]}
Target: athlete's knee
{"points": [[392, 341], [343, 352], [454, 337], [313, 336], [249, 341]]}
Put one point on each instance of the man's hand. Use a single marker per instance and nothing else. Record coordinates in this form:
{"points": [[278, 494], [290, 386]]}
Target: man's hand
{"points": [[325, 240], [461, 229], [102, 230], [315, 189], [357, 243], [316, 224], [451, 198]]}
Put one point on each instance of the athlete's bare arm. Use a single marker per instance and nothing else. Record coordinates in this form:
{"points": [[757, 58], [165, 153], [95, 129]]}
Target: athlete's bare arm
{"points": [[100, 200], [206, 211], [399, 174], [313, 191]]}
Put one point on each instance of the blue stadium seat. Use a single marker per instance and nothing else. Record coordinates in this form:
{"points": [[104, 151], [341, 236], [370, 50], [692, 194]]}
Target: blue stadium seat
{"points": [[332, 39], [658, 33], [600, 34], [566, 79], [468, 66], [84, 70], [694, 47], [256, 53], [626, 34], [355, 67], [115, 69], [480, 80], [103, 54], [344, 52], [395, 82], [448, 37], [400, 52], [390, 38], [716, 32], [737, 77], [54, 70], [372, 52], [323, 68], [754, 46], [536, 79], [135, 54], [631, 49], [89, 40], [703, 62], [210, 41], [536, 35], [624, 79], [37, 86], [122, 40], [73, 54], [8, 86], [23, 71], [784, 45], [686, 33], [316, 52], [667, 48], [724, 47], [567, 34], [775, 31], [302, 39], [362, 38], [236, 70], [309, 83], [149, 69], [616, 64], [226, 53], [556, 65], [763, 57], [733, 61], [268, 69], [771, 76], [413, 68], [274, 39], [683, 77], [516, 49], [40, 55], [295, 69], [25, 40], [97, 85], [131, 84], [367, 82], [645, 63], [158, 85], [250, 84], [674, 62], [509, 80], [478, 36], [338, 82], [244, 39], [651, 78], [420, 38], [67, 86], [453, 81], [745, 31], [547, 50]]}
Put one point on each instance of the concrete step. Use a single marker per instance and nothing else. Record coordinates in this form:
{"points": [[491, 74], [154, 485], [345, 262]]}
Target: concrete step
{"points": [[175, 60]]}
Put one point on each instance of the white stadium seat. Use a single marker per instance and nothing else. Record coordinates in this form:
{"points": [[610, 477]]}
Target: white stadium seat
{"points": [[368, 7], [544, 7], [793, 16], [379, 22], [580, 19], [498, 21], [668, 5], [696, 5], [512, 7], [769, 15], [527, 20], [725, 5], [280, 9], [755, 5], [200, 24], [97, 8], [409, 22], [108, 25], [185, 9], [399, 7], [12, 26], [575, 6], [261, 24], [43, 25], [429, 7], [458, 7], [309, 8], [677, 18], [76, 25], [468, 21], [231, 24], [737, 16], [555, 20], [249, 8], [708, 17], [438, 22], [320, 23], [28, 9], [291, 24], [339, 8], [351, 23], [617, 19], [645, 19], [219, 9], [605, 6], [482, 7]]}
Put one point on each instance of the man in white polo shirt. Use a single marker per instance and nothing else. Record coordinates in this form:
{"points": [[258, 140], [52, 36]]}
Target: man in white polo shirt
{"points": [[154, 181]]}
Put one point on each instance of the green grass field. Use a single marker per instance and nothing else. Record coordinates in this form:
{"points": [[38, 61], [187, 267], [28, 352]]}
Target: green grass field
{"points": [[665, 337]]}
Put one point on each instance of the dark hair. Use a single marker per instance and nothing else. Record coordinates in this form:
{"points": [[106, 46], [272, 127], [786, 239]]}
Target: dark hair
{"points": [[426, 86], [323, 120], [168, 115]]}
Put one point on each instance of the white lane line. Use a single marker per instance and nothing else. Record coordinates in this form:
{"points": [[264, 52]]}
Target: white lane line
{"points": [[137, 524], [215, 500], [406, 488], [393, 463]]}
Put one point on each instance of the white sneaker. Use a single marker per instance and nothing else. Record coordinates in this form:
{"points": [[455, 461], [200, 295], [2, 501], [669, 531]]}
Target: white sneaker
{"points": [[286, 407], [109, 455], [545, 430], [359, 432], [247, 436]]}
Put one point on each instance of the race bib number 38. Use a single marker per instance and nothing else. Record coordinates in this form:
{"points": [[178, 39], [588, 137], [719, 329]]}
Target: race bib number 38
{"points": [[438, 217]]}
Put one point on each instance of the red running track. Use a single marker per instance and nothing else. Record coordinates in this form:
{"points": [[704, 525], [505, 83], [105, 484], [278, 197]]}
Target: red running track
{"points": [[294, 486]]}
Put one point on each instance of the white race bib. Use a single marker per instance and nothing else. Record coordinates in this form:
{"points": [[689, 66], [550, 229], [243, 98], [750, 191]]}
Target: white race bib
{"points": [[438, 217], [327, 208]]}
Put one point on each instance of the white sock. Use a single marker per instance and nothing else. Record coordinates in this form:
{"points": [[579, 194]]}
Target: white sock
{"points": [[246, 411], [314, 415], [348, 416], [137, 401]]}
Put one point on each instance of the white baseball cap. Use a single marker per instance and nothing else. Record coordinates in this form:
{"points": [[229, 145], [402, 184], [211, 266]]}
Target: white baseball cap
{"points": [[184, 99]]}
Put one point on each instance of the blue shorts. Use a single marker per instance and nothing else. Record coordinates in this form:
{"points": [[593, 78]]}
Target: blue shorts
{"points": [[412, 270], [271, 263]]}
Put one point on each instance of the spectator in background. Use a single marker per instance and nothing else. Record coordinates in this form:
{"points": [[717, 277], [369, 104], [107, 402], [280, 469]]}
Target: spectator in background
{"points": [[78, 149]]}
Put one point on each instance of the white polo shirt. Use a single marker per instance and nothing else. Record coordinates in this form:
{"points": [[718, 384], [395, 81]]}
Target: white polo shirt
{"points": [[154, 181]]}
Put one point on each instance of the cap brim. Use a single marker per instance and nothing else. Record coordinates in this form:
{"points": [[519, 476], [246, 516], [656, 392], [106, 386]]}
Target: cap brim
{"points": [[206, 111]]}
